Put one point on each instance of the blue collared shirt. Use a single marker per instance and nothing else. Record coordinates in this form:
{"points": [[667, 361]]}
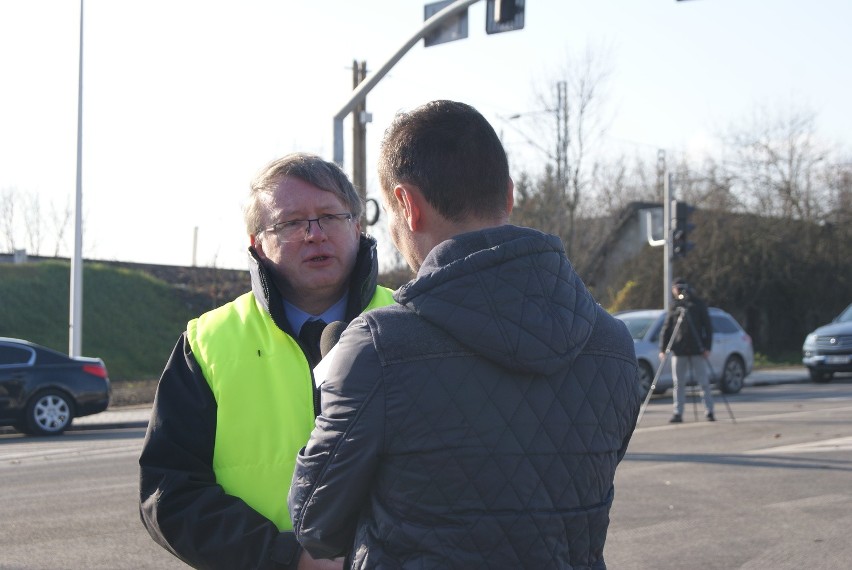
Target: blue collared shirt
{"points": [[297, 317]]}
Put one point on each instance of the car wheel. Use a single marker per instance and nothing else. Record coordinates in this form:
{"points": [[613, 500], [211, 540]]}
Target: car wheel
{"points": [[733, 375], [646, 377], [49, 413], [820, 376]]}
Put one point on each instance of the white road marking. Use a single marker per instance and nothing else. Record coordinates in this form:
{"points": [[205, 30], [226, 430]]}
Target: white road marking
{"points": [[822, 446]]}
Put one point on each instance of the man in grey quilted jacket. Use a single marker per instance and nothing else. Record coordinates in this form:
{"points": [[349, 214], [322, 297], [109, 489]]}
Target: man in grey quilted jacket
{"points": [[479, 422]]}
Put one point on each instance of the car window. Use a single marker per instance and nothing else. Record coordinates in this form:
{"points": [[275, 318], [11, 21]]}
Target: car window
{"points": [[723, 325], [845, 315], [657, 329], [637, 326], [11, 355]]}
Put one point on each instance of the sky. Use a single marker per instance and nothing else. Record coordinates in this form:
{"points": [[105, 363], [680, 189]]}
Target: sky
{"points": [[185, 100]]}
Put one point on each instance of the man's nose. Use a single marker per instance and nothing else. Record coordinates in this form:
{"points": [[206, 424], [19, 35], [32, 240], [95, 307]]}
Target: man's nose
{"points": [[315, 231]]}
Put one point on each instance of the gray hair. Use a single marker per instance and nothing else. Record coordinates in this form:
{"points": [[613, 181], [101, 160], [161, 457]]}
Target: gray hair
{"points": [[312, 169]]}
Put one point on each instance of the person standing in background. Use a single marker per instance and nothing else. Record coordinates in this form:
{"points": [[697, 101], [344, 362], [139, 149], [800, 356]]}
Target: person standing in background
{"points": [[690, 347]]}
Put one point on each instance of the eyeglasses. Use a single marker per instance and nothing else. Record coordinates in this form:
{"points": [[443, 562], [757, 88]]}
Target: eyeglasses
{"points": [[297, 230]]}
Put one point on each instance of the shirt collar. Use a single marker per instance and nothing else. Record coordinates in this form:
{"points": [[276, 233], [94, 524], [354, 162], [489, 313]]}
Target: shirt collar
{"points": [[297, 317]]}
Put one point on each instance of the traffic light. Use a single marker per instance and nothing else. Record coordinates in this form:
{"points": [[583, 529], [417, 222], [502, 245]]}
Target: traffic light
{"points": [[503, 16], [681, 228], [504, 10]]}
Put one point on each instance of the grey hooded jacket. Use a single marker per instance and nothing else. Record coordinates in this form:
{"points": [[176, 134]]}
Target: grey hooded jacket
{"points": [[477, 424]]}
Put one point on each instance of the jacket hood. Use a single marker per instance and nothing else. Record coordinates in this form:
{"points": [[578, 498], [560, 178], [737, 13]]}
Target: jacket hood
{"points": [[508, 294]]}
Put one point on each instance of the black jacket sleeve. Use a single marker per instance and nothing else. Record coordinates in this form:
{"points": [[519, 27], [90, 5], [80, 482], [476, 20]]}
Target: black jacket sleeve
{"points": [[334, 471], [666, 331], [706, 325], [180, 503]]}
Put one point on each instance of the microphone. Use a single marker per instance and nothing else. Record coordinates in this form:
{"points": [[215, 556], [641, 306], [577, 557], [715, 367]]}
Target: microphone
{"points": [[330, 335]]}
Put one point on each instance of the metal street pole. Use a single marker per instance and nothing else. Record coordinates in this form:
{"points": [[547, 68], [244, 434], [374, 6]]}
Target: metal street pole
{"points": [[667, 248], [75, 318]]}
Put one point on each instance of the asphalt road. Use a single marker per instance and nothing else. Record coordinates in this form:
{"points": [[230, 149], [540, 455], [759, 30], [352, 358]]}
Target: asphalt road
{"points": [[766, 486], [138, 415]]}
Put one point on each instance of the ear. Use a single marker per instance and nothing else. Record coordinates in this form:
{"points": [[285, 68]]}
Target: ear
{"points": [[411, 202], [510, 197], [257, 245]]}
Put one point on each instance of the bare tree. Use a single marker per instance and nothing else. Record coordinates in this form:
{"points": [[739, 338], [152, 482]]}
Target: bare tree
{"points": [[582, 125], [837, 179], [617, 182], [60, 221], [538, 202], [571, 116], [33, 223], [7, 217], [21, 214], [779, 160]]}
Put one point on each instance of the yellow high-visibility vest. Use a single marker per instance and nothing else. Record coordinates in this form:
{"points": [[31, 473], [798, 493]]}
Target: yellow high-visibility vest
{"points": [[263, 388]]}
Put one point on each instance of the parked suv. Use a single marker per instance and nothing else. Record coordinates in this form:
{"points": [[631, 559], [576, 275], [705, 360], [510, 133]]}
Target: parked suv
{"points": [[731, 357], [829, 348]]}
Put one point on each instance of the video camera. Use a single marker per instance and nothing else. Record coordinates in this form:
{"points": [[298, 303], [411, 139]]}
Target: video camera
{"points": [[680, 288]]}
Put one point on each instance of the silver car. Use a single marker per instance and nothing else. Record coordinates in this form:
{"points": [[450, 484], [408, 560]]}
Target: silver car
{"points": [[731, 358]]}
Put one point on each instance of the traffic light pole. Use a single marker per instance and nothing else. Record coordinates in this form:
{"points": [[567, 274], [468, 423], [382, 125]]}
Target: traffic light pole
{"points": [[666, 242], [367, 85]]}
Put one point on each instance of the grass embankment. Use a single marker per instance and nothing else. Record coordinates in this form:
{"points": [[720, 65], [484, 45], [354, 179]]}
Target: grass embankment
{"points": [[131, 320]]}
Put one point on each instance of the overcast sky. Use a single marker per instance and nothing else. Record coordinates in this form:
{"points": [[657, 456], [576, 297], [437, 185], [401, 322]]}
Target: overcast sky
{"points": [[185, 100]]}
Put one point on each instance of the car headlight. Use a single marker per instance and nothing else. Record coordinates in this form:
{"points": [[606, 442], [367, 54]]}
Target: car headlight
{"points": [[810, 340]]}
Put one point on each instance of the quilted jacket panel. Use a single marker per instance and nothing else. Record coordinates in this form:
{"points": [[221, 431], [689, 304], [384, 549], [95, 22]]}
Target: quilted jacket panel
{"points": [[477, 424]]}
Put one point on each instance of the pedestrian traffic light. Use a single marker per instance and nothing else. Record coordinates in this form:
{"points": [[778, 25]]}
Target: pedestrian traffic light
{"points": [[681, 228]]}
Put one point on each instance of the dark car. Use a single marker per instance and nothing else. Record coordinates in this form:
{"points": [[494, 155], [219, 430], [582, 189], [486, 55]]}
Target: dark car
{"points": [[42, 390], [829, 348]]}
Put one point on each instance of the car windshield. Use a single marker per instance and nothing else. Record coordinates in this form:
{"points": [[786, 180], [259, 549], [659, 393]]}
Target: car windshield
{"points": [[845, 316], [638, 326], [723, 325]]}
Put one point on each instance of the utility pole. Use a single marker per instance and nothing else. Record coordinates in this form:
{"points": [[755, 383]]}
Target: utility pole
{"points": [[562, 136], [661, 171], [562, 142], [194, 245], [360, 118]]}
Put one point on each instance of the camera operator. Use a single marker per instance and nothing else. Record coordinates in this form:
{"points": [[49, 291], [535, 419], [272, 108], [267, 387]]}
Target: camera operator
{"points": [[693, 339]]}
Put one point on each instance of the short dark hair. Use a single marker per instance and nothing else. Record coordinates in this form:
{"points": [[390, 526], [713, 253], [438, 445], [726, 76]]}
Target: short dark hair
{"points": [[452, 155]]}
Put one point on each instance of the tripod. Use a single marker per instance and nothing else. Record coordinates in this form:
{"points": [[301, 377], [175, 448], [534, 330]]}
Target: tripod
{"points": [[682, 315], [721, 393]]}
